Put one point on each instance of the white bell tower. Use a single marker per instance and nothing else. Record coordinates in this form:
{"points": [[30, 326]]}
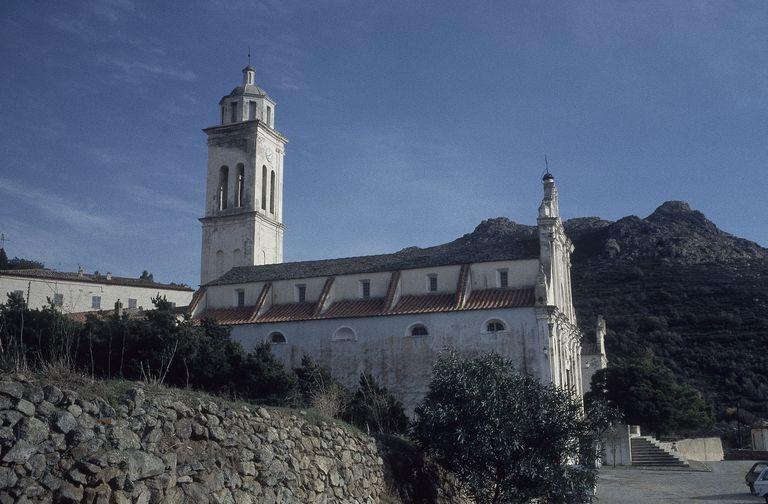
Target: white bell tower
{"points": [[243, 223]]}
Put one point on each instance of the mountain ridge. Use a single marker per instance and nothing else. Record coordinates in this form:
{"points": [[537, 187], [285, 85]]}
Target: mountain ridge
{"points": [[671, 285], [673, 232]]}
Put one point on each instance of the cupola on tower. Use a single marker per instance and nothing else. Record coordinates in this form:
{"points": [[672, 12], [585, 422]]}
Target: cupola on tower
{"points": [[243, 223]]}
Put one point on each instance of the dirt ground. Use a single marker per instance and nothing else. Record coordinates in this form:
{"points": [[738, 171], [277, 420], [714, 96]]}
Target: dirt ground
{"points": [[723, 485]]}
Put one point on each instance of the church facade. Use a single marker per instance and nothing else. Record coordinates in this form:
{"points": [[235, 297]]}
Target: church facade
{"points": [[390, 315]]}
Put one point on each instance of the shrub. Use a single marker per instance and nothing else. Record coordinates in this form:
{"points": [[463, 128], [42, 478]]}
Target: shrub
{"points": [[648, 394], [317, 389], [505, 435], [374, 409]]}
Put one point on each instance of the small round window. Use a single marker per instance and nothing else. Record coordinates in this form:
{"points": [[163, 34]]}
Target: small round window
{"points": [[277, 337], [419, 330], [494, 326]]}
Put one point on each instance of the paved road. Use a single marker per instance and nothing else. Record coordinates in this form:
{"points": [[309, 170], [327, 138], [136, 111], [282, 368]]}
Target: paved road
{"points": [[724, 485]]}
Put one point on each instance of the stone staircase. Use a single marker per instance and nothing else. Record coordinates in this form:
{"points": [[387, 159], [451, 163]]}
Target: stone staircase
{"points": [[647, 451]]}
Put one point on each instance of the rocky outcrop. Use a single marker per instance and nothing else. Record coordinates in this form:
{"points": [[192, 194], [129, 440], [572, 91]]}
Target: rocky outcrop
{"points": [[673, 233], [69, 444]]}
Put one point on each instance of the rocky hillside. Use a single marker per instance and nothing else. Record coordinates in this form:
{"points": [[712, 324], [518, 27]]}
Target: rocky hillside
{"points": [[70, 439], [674, 285]]}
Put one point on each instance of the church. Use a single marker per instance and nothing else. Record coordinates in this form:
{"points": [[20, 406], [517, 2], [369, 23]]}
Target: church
{"points": [[390, 315]]}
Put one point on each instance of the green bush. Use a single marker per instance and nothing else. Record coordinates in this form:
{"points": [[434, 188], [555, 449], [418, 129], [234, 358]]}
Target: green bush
{"points": [[505, 435], [374, 409], [157, 348]]}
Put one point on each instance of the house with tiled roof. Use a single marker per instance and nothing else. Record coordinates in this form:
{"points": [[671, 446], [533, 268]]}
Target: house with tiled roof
{"points": [[389, 315], [77, 292]]}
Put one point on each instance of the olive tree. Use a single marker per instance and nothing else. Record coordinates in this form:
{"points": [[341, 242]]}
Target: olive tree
{"points": [[508, 437]]}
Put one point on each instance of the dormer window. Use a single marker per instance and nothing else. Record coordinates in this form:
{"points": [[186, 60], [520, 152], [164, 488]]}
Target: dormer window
{"points": [[503, 278], [365, 289], [301, 293], [432, 282]]}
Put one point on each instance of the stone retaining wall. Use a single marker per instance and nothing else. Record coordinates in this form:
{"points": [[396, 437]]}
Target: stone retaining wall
{"points": [[153, 445]]}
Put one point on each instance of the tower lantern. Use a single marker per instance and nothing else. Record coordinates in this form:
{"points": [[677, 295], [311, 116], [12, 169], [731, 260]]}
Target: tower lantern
{"points": [[243, 222]]}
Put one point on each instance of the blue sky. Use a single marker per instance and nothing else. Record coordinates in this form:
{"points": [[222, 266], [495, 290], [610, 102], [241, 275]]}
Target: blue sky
{"points": [[409, 122]]}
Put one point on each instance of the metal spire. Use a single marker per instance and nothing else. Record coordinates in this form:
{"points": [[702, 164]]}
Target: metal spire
{"points": [[546, 163]]}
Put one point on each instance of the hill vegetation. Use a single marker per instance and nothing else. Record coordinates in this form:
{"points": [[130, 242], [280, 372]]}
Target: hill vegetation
{"points": [[674, 287]]}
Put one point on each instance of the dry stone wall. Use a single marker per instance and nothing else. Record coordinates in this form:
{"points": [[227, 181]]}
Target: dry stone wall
{"points": [[151, 445]]}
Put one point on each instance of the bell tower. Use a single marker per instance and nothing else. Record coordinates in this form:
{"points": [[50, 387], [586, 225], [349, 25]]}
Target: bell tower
{"points": [[243, 222]]}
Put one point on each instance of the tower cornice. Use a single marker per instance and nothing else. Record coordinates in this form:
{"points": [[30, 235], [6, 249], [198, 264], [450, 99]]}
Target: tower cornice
{"points": [[244, 127], [242, 215]]}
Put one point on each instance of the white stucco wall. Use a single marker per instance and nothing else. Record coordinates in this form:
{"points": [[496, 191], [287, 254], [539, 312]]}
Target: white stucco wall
{"points": [[78, 295], [348, 286], [400, 362], [520, 273], [249, 234]]}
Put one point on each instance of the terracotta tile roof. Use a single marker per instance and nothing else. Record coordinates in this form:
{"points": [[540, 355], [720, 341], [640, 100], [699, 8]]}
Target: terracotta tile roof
{"points": [[288, 312], [49, 274], [500, 298], [356, 308], [429, 303], [229, 316]]}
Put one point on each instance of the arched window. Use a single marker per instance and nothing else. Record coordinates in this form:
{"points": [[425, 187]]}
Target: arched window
{"points": [[277, 338], [272, 192], [344, 334], [240, 185], [269, 116], [494, 326], [237, 257], [219, 264], [263, 187], [418, 330], [223, 185], [234, 112]]}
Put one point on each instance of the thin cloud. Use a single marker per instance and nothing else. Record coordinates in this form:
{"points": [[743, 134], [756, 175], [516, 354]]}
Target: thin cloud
{"points": [[63, 211], [137, 71], [160, 200]]}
